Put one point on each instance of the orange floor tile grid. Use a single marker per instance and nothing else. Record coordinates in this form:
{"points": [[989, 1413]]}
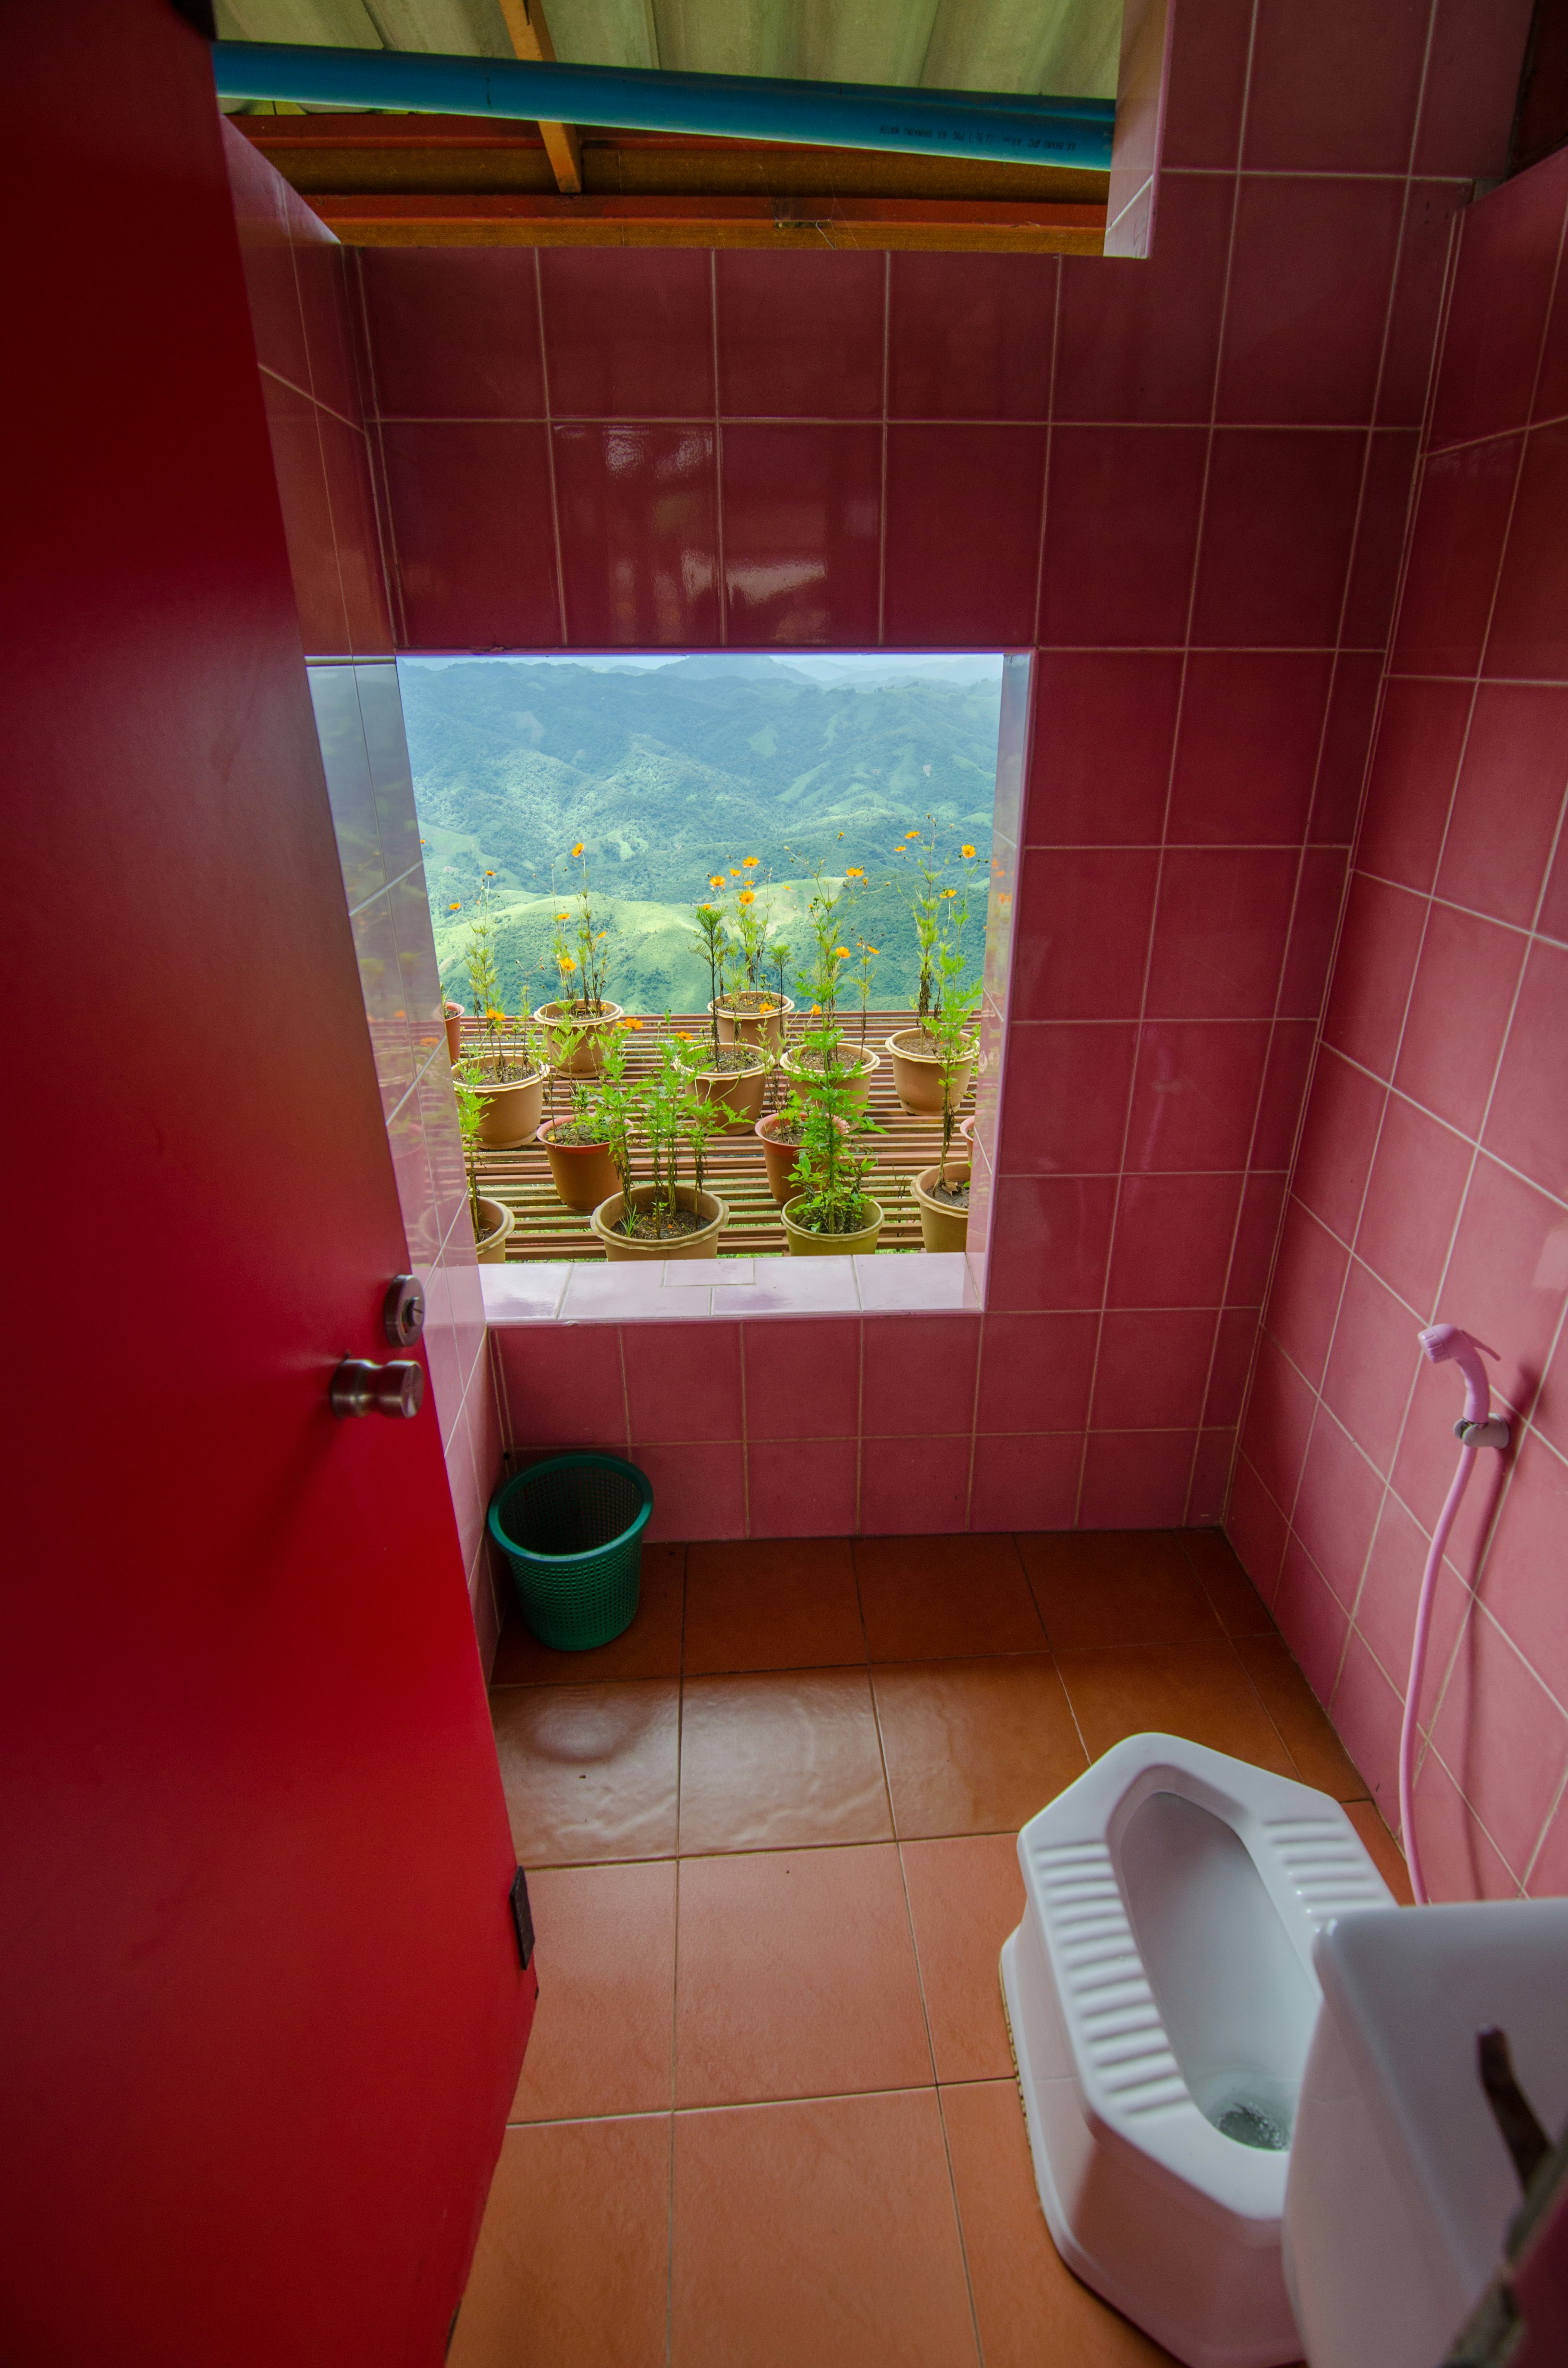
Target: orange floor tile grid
{"points": [[768, 2117]]}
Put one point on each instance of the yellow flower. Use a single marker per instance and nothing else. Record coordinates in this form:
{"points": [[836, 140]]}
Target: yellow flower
{"points": [[454, 909], [563, 916], [841, 953], [490, 876], [912, 834], [816, 1011], [966, 850], [634, 1023], [949, 891], [854, 873], [567, 962], [750, 862], [715, 879], [578, 848], [686, 1032], [745, 897]]}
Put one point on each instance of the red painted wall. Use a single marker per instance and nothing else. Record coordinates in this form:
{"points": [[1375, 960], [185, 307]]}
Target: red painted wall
{"points": [[1433, 1177], [1184, 484]]}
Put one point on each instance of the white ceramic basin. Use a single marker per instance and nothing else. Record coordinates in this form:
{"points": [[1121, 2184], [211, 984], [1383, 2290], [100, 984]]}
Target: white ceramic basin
{"points": [[1400, 2188]]}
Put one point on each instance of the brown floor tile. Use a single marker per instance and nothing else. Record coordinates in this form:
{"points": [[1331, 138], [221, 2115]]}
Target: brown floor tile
{"points": [[589, 1771], [1321, 1758], [572, 2260], [975, 1746], [1386, 1854], [604, 2029], [771, 1603], [648, 1649], [965, 1896], [817, 2236], [1030, 2308], [1115, 1586], [1199, 1690], [933, 1598], [797, 1977], [781, 1760], [1242, 1611]]}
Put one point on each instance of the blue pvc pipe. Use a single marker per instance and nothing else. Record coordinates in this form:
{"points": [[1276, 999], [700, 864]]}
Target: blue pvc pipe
{"points": [[994, 128]]}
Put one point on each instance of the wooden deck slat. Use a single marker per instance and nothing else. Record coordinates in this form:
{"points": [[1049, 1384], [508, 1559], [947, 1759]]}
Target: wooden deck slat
{"points": [[733, 1168]]}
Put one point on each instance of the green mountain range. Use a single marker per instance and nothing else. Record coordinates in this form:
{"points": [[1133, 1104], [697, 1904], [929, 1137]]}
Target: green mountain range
{"points": [[670, 773]]}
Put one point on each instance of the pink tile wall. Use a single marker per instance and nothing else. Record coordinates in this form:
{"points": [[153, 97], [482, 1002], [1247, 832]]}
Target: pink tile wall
{"points": [[1183, 484], [1432, 1182], [306, 340], [306, 345]]}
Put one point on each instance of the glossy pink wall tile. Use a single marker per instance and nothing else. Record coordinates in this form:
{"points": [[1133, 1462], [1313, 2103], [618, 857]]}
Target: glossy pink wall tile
{"points": [[1445, 1198], [1183, 484]]}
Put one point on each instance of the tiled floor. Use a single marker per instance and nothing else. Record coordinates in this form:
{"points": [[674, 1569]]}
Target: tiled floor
{"points": [[767, 2116]]}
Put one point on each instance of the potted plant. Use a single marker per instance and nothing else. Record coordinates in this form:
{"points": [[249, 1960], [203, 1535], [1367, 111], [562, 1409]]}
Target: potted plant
{"points": [[731, 1075], [452, 1014], [782, 1135], [750, 1012], [940, 913], [941, 1193], [826, 916], [830, 1214], [493, 1220], [509, 1068], [580, 1016], [577, 1145], [664, 1217]]}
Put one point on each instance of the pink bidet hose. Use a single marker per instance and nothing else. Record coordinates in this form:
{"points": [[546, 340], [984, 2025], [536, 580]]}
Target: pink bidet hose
{"points": [[1477, 1428]]}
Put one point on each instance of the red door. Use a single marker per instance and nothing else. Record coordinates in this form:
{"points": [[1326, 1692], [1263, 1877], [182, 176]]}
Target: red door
{"points": [[259, 1988]]}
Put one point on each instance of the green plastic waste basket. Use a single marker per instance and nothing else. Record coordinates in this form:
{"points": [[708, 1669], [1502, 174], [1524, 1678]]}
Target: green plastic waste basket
{"points": [[572, 1530]]}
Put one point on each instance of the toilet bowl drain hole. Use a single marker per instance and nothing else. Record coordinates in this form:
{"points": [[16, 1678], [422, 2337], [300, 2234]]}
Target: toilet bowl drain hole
{"points": [[1249, 2125]]}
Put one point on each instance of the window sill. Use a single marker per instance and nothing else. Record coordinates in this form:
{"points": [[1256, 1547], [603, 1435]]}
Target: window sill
{"points": [[698, 1290]]}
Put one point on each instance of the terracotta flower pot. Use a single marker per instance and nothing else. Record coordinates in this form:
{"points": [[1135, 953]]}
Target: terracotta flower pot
{"points": [[966, 1127], [511, 1111], [803, 1242], [741, 1091], [858, 1088], [582, 1173], [703, 1244], [764, 1026], [779, 1159], [498, 1221], [942, 1226], [453, 1015], [917, 1076], [586, 1057]]}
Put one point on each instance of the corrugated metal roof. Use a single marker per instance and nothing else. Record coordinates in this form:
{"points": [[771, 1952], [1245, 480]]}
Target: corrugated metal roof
{"points": [[1066, 47]]}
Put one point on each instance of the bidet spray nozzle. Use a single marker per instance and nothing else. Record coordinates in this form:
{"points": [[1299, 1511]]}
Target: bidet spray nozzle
{"points": [[1477, 1427]]}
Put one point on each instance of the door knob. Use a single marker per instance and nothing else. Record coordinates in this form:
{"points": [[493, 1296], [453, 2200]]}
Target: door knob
{"points": [[359, 1387]]}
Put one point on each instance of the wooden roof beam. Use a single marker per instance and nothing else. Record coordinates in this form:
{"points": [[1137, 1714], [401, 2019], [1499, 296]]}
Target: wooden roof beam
{"points": [[528, 32]]}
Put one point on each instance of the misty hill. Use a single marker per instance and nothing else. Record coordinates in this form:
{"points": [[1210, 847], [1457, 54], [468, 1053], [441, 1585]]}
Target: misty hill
{"points": [[672, 772]]}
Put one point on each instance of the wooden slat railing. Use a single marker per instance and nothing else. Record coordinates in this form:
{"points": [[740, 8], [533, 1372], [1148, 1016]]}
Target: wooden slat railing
{"points": [[733, 1165]]}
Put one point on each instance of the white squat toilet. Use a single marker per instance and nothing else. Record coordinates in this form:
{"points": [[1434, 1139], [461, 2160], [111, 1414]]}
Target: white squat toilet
{"points": [[1160, 1995]]}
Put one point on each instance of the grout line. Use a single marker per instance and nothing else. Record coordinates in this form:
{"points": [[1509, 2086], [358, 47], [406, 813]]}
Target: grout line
{"points": [[1195, 570], [550, 454], [882, 504], [722, 586], [1308, 846]]}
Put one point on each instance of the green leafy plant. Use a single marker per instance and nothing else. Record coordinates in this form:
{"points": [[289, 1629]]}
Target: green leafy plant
{"points": [[830, 1170], [578, 946], [711, 941], [928, 893], [471, 1117]]}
